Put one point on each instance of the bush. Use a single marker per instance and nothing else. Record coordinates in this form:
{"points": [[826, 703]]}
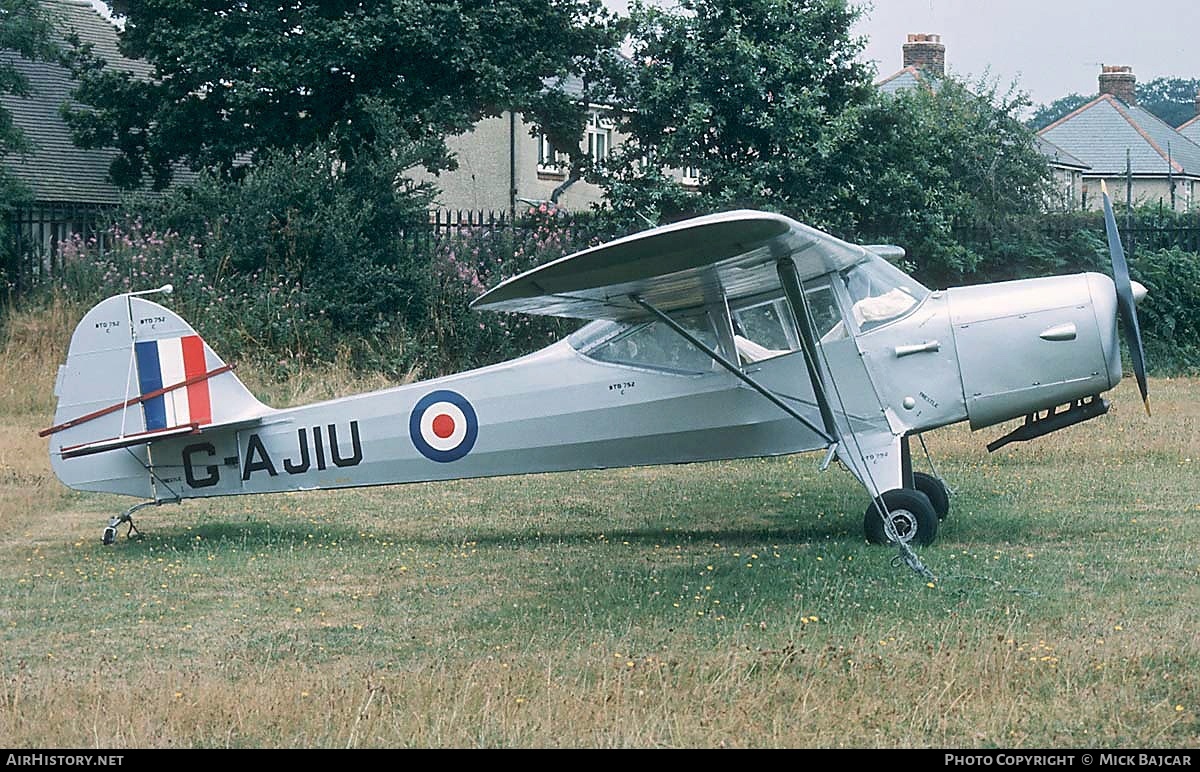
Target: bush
{"points": [[1170, 314], [295, 266], [253, 314], [464, 266]]}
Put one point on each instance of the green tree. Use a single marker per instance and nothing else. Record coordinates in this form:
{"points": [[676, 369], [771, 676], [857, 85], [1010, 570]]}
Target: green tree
{"points": [[766, 100], [1171, 99], [750, 93], [942, 172], [234, 81]]}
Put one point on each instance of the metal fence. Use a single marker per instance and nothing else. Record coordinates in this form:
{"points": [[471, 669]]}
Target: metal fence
{"points": [[32, 252], [33, 248], [1150, 238]]}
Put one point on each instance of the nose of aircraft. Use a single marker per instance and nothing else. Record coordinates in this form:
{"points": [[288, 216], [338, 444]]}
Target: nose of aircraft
{"points": [[1108, 315]]}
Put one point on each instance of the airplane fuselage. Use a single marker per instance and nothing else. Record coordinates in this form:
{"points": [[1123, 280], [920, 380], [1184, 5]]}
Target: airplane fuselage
{"points": [[561, 409], [554, 410]]}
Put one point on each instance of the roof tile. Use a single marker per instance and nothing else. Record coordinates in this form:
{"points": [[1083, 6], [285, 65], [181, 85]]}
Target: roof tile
{"points": [[55, 169], [1105, 131]]}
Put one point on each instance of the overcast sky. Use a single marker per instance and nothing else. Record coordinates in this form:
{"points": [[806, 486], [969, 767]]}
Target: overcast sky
{"points": [[1050, 48]]}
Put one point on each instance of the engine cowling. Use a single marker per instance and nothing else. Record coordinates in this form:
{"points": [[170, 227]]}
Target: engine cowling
{"points": [[1033, 344]]}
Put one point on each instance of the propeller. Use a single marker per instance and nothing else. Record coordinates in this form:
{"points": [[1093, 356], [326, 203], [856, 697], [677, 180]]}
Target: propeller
{"points": [[1127, 297]]}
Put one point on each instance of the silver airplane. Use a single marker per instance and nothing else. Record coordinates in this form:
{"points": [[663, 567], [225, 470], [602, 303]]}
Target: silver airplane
{"points": [[740, 334]]}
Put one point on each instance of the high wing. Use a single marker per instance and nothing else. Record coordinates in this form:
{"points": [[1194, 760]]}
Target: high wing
{"points": [[728, 255]]}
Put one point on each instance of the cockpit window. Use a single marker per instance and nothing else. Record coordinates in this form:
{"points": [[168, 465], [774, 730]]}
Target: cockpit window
{"points": [[880, 292], [763, 331], [766, 329], [763, 327], [654, 344]]}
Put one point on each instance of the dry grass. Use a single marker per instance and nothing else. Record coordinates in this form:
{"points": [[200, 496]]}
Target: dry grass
{"points": [[696, 606], [319, 383]]}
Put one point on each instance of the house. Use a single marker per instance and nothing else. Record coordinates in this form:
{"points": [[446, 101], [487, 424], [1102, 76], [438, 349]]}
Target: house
{"points": [[924, 66], [1191, 129], [69, 185], [1129, 148], [505, 166], [924, 60], [1066, 172]]}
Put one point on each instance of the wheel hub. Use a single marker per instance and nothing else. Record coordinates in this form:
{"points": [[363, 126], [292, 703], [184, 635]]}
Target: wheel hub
{"points": [[900, 525]]}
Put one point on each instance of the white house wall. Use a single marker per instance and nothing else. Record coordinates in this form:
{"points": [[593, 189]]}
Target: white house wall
{"points": [[1145, 192], [484, 172]]}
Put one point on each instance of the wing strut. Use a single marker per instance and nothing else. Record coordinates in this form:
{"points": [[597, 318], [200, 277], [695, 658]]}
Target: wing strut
{"points": [[723, 362], [808, 340]]}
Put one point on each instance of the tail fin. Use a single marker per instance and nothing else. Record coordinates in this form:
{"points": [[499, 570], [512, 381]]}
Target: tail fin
{"points": [[136, 372]]}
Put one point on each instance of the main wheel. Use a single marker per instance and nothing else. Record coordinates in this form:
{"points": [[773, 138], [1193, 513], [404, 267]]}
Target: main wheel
{"points": [[935, 489], [912, 517]]}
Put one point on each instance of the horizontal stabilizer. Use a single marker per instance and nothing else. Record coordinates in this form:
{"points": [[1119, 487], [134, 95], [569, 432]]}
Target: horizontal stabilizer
{"points": [[141, 438], [145, 438]]}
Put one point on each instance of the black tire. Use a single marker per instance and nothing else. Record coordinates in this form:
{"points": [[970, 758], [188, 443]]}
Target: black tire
{"points": [[912, 515], [935, 489]]}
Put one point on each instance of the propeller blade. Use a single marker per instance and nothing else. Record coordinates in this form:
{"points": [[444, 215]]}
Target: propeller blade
{"points": [[1126, 305]]}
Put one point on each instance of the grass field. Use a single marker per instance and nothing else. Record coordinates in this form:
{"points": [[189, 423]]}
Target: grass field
{"points": [[729, 604]]}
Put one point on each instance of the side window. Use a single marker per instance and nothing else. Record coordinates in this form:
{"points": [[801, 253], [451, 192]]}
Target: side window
{"points": [[550, 160], [827, 317], [656, 345], [767, 330], [764, 331]]}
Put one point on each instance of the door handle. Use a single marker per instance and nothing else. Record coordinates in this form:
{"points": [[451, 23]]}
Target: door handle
{"points": [[917, 348]]}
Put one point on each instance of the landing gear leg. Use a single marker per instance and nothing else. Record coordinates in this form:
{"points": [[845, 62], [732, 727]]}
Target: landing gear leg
{"points": [[931, 485], [110, 530]]}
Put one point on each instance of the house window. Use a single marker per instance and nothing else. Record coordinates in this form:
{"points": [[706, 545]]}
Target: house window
{"points": [[690, 176], [550, 160], [599, 137]]}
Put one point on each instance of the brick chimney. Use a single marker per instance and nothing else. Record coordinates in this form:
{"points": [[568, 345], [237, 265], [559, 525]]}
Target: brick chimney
{"points": [[926, 52], [1119, 80]]}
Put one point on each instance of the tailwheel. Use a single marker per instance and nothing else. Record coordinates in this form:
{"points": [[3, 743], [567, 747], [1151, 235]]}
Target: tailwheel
{"points": [[935, 490], [902, 515], [110, 530]]}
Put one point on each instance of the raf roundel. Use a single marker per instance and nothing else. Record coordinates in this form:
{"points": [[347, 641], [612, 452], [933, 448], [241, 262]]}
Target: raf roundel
{"points": [[443, 426]]}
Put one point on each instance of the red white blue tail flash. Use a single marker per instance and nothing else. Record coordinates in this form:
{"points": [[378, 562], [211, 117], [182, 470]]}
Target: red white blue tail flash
{"points": [[164, 363]]}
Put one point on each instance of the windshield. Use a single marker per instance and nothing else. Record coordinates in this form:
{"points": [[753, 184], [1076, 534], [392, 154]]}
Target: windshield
{"points": [[881, 292]]}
